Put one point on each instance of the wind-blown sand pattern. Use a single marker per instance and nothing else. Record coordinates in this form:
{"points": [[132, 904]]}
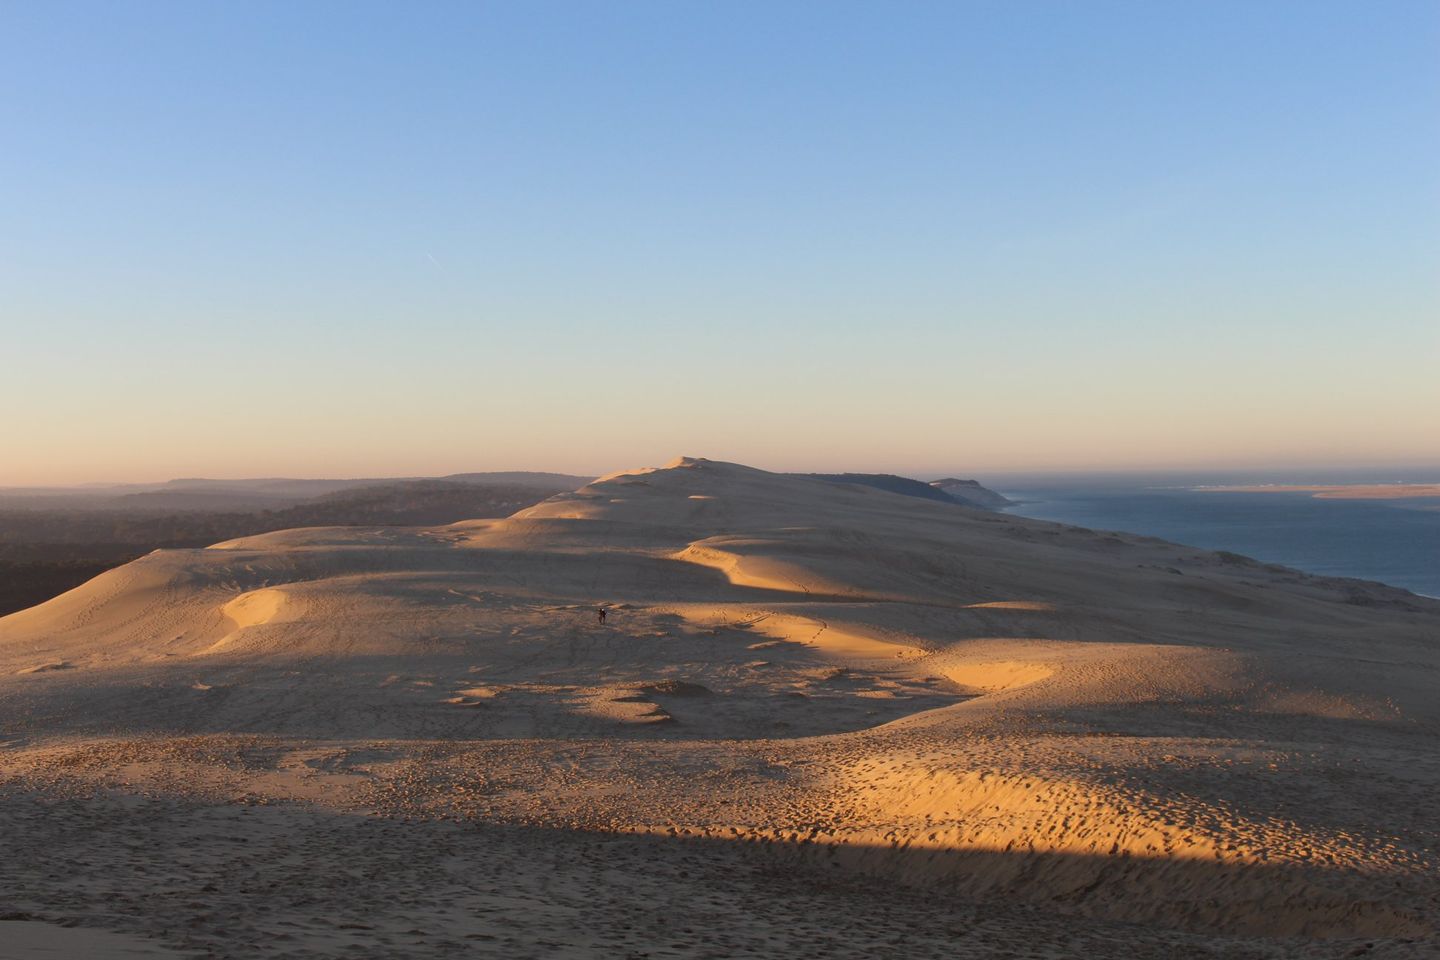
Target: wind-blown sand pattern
{"points": [[820, 720]]}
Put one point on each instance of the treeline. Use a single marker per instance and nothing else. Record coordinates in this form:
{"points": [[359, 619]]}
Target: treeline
{"points": [[45, 553], [32, 573]]}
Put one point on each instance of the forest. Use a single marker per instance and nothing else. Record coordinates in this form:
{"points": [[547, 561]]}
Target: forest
{"points": [[46, 551]]}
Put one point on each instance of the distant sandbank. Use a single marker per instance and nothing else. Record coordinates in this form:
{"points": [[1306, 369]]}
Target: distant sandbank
{"points": [[1344, 491]]}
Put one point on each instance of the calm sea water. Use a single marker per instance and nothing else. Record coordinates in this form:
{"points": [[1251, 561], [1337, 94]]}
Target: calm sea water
{"points": [[1393, 541]]}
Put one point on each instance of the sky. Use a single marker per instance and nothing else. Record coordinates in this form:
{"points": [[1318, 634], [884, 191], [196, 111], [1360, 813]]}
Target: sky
{"points": [[362, 239]]}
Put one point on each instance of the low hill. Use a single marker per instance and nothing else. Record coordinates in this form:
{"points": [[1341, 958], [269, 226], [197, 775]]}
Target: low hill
{"points": [[526, 478], [200, 494], [972, 493]]}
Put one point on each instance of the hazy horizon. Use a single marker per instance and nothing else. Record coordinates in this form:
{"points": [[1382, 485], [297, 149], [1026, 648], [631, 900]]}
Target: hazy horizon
{"points": [[1319, 473]]}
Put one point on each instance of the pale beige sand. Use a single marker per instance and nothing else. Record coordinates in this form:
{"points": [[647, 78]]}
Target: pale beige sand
{"points": [[821, 720]]}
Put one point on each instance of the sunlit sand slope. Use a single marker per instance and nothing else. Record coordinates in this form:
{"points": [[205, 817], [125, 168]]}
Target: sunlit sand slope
{"points": [[857, 683]]}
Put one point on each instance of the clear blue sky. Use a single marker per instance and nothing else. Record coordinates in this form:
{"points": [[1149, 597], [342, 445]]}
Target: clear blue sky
{"points": [[243, 239]]}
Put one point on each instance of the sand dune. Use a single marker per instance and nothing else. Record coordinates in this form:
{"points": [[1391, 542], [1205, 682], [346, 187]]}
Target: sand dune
{"points": [[1115, 745]]}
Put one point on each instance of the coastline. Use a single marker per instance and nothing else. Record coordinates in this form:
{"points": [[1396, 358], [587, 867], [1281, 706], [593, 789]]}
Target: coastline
{"points": [[1380, 540]]}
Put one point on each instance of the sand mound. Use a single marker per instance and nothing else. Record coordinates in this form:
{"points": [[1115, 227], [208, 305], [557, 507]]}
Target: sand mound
{"points": [[257, 608], [995, 676], [254, 608]]}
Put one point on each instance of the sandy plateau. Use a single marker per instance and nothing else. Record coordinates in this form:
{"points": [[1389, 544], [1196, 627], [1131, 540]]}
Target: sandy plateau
{"points": [[820, 720]]}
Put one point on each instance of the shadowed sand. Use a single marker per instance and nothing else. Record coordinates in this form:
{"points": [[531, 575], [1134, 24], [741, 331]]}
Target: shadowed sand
{"points": [[807, 696]]}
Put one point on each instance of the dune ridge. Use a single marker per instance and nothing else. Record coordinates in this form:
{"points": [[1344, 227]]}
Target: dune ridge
{"points": [[849, 681]]}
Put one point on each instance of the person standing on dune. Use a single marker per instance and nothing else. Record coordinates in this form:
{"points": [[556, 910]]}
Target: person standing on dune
{"points": [[601, 612]]}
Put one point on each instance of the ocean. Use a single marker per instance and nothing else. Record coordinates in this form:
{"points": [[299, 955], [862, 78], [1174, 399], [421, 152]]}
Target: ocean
{"points": [[1393, 541]]}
